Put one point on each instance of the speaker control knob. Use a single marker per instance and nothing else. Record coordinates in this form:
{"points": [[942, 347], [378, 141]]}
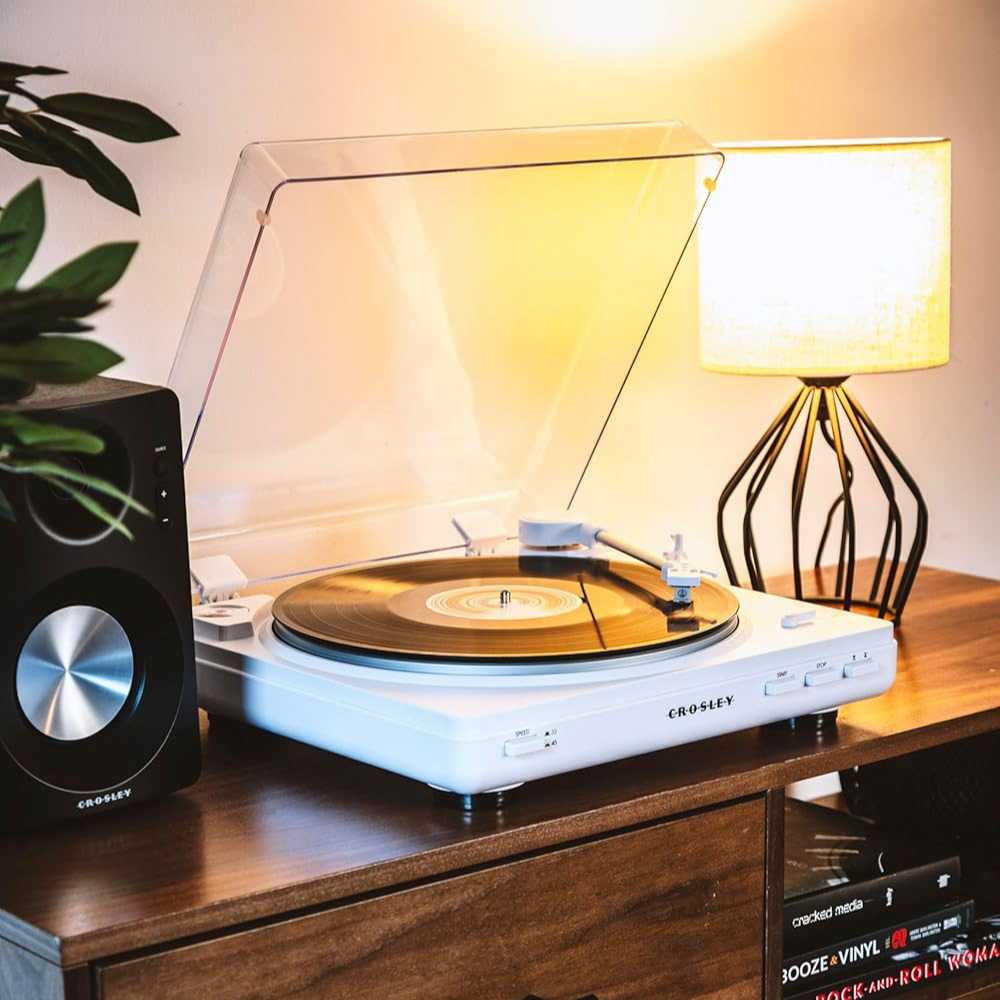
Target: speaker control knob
{"points": [[74, 672]]}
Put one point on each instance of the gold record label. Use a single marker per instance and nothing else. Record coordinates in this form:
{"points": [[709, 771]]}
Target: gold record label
{"points": [[500, 603]]}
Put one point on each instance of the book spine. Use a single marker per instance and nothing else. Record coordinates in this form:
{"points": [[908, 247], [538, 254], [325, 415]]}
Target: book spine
{"points": [[832, 913], [888, 980], [874, 949]]}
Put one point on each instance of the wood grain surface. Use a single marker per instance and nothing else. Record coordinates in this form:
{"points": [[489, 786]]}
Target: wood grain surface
{"points": [[275, 827], [673, 910]]}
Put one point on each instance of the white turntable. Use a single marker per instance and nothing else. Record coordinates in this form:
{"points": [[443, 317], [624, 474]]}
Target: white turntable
{"points": [[393, 336]]}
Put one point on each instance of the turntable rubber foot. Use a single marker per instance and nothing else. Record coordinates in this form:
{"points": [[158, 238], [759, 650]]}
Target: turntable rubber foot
{"points": [[477, 802], [814, 722]]}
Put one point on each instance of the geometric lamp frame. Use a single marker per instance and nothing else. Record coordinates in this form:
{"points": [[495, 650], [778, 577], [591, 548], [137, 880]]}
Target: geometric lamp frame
{"points": [[823, 400]]}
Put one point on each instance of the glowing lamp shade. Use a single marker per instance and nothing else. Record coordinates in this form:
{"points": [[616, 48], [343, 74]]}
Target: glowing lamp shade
{"points": [[827, 259]]}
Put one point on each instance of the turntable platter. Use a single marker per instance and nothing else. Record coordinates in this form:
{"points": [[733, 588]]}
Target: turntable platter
{"points": [[490, 609]]}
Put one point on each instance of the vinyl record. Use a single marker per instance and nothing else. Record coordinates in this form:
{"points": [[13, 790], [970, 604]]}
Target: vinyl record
{"points": [[498, 609]]}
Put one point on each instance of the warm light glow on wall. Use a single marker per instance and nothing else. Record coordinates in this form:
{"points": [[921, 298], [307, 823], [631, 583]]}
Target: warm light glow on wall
{"points": [[828, 258], [677, 32], [597, 24]]}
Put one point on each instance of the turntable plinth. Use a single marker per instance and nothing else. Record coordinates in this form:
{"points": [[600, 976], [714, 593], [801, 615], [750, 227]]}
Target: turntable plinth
{"points": [[289, 872]]}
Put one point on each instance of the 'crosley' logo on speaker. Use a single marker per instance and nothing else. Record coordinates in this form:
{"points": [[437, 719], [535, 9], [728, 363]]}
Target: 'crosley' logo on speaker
{"points": [[106, 799], [697, 707]]}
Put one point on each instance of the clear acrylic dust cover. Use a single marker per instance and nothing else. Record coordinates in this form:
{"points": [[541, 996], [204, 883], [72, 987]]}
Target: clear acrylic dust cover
{"points": [[392, 331]]}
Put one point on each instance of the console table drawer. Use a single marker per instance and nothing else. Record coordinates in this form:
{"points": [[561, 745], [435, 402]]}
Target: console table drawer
{"points": [[673, 910]]}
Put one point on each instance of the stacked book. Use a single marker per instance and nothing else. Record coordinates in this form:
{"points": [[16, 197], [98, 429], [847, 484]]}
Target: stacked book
{"points": [[869, 914]]}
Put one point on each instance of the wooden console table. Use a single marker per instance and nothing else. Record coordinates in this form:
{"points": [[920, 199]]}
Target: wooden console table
{"points": [[288, 872]]}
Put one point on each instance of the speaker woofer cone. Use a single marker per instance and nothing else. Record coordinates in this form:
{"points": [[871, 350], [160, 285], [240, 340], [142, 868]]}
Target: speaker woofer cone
{"points": [[74, 672], [132, 737]]}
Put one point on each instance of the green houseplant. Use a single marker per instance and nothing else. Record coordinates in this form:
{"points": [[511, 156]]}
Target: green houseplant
{"points": [[43, 326]]}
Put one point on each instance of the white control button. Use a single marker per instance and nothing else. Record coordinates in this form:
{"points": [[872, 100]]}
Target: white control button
{"points": [[782, 685], [862, 669], [816, 677], [528, 744], [798, 618]]}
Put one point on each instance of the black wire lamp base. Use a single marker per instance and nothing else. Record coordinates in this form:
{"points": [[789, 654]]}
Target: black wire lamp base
{"points": [[824, 400]]}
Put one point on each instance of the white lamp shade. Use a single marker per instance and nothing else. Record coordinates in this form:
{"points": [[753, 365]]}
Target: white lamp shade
{"points": [[827, 259]]}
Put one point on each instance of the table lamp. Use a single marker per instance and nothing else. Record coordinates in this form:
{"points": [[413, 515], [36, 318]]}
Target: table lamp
{"points": [[821, 260]]}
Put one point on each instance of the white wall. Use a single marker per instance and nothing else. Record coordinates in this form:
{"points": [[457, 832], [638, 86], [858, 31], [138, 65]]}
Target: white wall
{"points": [[226, 72]]}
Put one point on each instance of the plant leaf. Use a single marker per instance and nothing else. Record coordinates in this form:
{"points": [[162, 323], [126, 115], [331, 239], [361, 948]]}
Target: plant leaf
{"points": [[6, 511], [76, 155], [69, 325], [19, 305], [51, 326], [13, 389], [65, 479], [60, 360], [24, 149], [27, 312], [12, 72], [91, 274], [8, 244], [48, 470], [122, 119], [39, 434], [92, 506], [22, 218]]}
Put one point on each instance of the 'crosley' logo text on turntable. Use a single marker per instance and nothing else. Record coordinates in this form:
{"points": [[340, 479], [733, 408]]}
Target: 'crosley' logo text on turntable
{"points": [[697, 707]]}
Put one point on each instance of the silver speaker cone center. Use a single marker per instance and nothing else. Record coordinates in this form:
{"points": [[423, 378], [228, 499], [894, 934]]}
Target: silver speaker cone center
{"points": [[74, 672]]}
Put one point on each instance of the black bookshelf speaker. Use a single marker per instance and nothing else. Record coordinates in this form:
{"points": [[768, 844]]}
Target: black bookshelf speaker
{"points": [[98, 706]]}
